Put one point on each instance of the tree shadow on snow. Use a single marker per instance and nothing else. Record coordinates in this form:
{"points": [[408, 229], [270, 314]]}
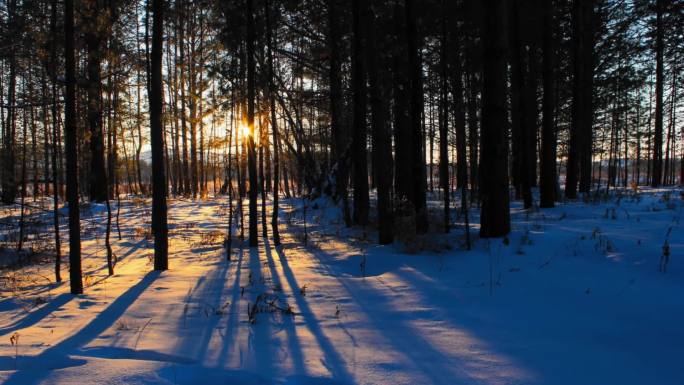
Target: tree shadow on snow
{"points": [[202, 310], [397, 326], [332, 358], [35, 316], [35, 369]]}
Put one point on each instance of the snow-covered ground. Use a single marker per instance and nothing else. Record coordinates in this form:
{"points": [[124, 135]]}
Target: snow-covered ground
{"points": [[573, 296]]}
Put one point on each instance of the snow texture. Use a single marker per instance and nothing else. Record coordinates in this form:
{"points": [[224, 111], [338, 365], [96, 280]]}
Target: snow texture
{"points": [[573, 296]]}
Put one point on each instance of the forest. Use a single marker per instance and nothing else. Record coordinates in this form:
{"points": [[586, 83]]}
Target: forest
{"points": [[341, 191]]}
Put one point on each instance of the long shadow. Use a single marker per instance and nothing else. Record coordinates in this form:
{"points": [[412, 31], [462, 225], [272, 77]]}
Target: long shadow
{"points": [[233, 318], [259, 334], [121, 353], [377, 306], [205, 249], [407, 344], [292, 340], [333, 359], [38, 367], [132, 247], [36, 316], [374, 303], [197, 345]]}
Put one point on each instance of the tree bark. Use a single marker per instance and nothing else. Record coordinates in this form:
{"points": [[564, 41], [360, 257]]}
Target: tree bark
{"points": [[657, 175], [403, 172], [9, 183], [159, 187], [416, 112], [359, 155], [55, 147], [473, 137], [71, 149], [251, 150], [97, 176], [495, 215], [274, 126], [572, 167], [382, 146], [186, 185], [444, 116], [586, 153], [523, 115], [337, 128], [547, 167]]}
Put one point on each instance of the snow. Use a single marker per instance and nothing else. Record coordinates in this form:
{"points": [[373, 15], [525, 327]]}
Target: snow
{"points": [[573, 295]]}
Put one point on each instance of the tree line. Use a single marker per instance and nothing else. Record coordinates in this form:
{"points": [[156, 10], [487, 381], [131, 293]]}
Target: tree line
{"points": [[473, 102]]}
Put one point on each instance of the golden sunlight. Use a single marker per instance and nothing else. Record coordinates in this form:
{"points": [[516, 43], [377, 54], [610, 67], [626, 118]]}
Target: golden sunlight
{"points": [[244, 130]]}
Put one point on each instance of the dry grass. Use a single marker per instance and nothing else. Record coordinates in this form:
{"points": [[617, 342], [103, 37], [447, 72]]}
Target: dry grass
{"points": [[143, 232]]}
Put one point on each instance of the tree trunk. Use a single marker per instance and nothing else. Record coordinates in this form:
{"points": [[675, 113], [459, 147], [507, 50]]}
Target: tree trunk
{"points": [[531, 106], [403, 172], [495, 215], [340, 142], [547, 181], [459, 122], [359, 155], [576, 132], [47, 121], [444, 121], [657, 177], [97, 176], [192, 106], [184, 130], [263, 141], [139, 115], [22, 215], [55, 147], [523, 115], [473, 137], [382, 146], [34, 146], [9, 184], [159, 222], [71, 149], [416, 112], [586, 153], [251, 150], [274, 125]]}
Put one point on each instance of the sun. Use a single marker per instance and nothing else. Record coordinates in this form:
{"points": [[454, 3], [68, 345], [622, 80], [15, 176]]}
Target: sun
{"points": [[245, 132]]}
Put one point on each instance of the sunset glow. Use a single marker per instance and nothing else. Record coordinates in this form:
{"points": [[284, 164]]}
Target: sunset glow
{"points": [[341, 192]]}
